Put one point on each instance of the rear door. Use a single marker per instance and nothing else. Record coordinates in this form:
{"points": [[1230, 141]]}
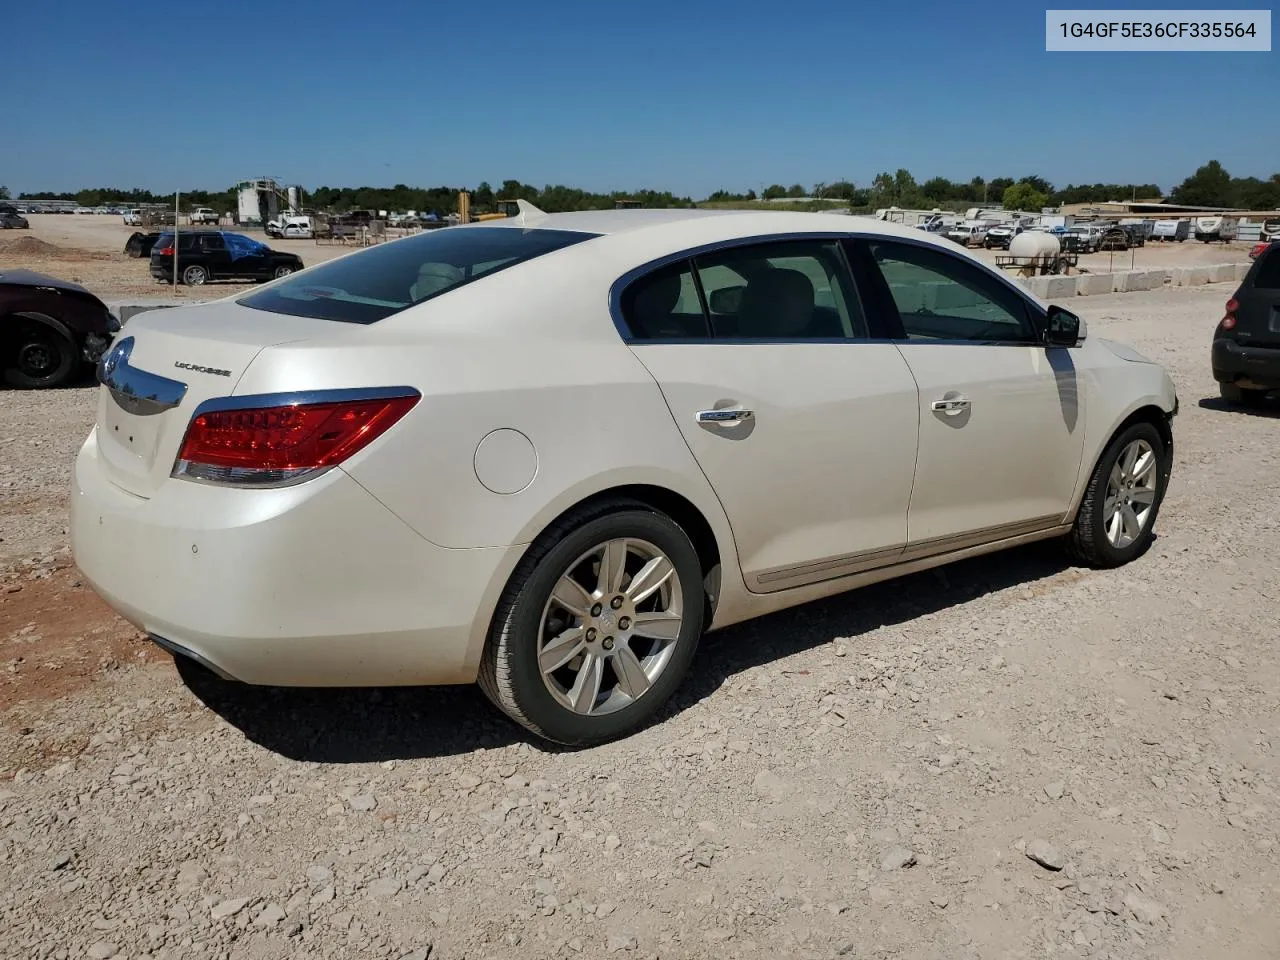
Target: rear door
{"points": [[1258, 318], [1001, 431], [217, 259], [805, 429]]}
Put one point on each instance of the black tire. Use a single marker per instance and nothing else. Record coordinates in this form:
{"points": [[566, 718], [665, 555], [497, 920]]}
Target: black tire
{"points": [[36, 356], [195, 275], [1237, 396], [283, 270], [1087, 542], [509, 672]]}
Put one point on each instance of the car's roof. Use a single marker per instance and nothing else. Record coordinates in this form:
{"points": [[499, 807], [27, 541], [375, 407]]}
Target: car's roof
{"points": [[729, 224]]}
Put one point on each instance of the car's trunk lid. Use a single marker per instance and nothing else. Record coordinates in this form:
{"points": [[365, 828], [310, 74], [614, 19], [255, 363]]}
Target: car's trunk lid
{"points": [[164, 364]]}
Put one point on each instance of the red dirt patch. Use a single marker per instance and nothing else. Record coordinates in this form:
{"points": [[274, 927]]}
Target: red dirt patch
{"points": [[57, 636]]}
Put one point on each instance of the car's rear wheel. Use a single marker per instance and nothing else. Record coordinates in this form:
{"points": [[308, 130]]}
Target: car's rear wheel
{"points": [[598, 625], [1238, 396], [195, 275], [1117, 517], [36, 356]]}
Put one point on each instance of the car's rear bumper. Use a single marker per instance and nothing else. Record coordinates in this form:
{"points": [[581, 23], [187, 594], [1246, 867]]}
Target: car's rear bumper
{"points": [[1257, 367], [313, 585]]}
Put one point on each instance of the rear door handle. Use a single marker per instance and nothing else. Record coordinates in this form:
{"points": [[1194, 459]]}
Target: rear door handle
{"points": [[951, 406], [724, 416]]}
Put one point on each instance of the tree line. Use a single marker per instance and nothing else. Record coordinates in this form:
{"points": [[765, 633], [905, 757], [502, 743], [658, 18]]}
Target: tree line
{"points": [[1211, 186]]}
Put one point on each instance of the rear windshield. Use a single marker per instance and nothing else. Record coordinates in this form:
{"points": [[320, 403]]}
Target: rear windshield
{"points": [[367, 286], [1267, 275]]}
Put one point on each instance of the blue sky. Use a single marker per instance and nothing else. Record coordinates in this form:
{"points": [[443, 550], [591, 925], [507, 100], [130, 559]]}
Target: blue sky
{"points": [[689, 96]]}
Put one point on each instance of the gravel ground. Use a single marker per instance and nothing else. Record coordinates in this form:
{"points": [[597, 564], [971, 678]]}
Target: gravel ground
{"points": [[1011, 757]]}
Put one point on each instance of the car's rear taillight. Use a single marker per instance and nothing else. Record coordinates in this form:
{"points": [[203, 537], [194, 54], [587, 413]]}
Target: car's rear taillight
{"points": [[1228, 321], [164, 251], [272, 441]]}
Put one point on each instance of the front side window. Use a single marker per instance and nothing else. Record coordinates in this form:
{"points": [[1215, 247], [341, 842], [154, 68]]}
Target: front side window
{"points": [[368, 286], [941, 297]]}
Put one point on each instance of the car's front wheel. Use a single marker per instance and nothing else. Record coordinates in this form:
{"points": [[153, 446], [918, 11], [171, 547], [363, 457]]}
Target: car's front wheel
{"points": [[1117, 517], [36, 356], [597, 626], [282, 271]]}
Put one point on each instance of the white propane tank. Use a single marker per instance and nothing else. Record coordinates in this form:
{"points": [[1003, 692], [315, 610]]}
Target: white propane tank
{"points": [[1042, 246]]}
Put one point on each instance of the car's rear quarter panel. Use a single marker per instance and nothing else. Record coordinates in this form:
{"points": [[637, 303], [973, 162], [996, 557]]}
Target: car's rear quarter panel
{"points": [[529, 350]]}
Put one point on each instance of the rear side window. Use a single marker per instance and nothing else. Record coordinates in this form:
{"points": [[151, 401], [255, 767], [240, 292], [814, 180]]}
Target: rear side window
{"points": [[1268, 275], [778, 291], [373, 284], [664, 305]]}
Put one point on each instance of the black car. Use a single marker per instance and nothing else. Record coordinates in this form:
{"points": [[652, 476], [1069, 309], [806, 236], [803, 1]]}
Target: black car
{"points": [[12, 220], [1246, 345], [49, 329], [219, 255]]}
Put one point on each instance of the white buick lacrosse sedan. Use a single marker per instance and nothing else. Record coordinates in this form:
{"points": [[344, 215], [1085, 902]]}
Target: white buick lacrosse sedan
{"points": [[548, 453]]}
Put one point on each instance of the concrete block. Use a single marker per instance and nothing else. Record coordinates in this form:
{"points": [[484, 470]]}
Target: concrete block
{"points": [[1124, 281], [1038, 286], [908, 296], [1060, 288], [127, 309], [1156, 279], [1090, 284], [1222, 273], [1195, 276]]}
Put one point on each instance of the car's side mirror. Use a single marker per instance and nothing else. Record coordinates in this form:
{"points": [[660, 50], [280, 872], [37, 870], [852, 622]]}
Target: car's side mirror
{"points": [[1062, 328], [726, 299]]}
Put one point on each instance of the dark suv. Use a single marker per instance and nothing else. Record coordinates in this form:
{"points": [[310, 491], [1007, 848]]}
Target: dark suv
{"points": [[219, 255], [1246, 345]]}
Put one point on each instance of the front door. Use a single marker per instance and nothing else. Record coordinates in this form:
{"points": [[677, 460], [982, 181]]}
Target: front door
{"points": [[806, 431], [1001, 418]]}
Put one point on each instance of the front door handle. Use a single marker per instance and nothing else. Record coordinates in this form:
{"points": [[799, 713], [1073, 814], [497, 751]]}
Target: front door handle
{"points": [[724, 416], [951, 406]]}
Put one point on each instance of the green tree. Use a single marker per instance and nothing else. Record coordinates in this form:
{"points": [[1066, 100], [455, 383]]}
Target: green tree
{"points": [[1024, 196], [775, 191], [1209, 186], [4, 193]]}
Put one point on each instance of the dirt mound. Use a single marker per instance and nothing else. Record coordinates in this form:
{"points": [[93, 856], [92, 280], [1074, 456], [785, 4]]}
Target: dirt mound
{"points": [[29, 247]]}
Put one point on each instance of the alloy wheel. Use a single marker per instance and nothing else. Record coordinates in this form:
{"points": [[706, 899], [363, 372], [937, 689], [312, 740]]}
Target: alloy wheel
{"points": [[1131, 494], [610, 626]]}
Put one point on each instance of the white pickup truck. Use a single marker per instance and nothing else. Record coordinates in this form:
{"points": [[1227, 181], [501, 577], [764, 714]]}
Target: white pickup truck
{"points": [[203, 215]]}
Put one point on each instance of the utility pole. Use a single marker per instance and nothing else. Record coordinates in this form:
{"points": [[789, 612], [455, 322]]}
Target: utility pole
{"points": [[176, 196]]}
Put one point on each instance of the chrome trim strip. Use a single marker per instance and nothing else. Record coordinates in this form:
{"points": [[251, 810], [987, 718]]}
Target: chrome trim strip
{"points": [[780, 578], [972, 538], [831, 568], [178, 650], [616, 289], [251, 400], [134, 390]]}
